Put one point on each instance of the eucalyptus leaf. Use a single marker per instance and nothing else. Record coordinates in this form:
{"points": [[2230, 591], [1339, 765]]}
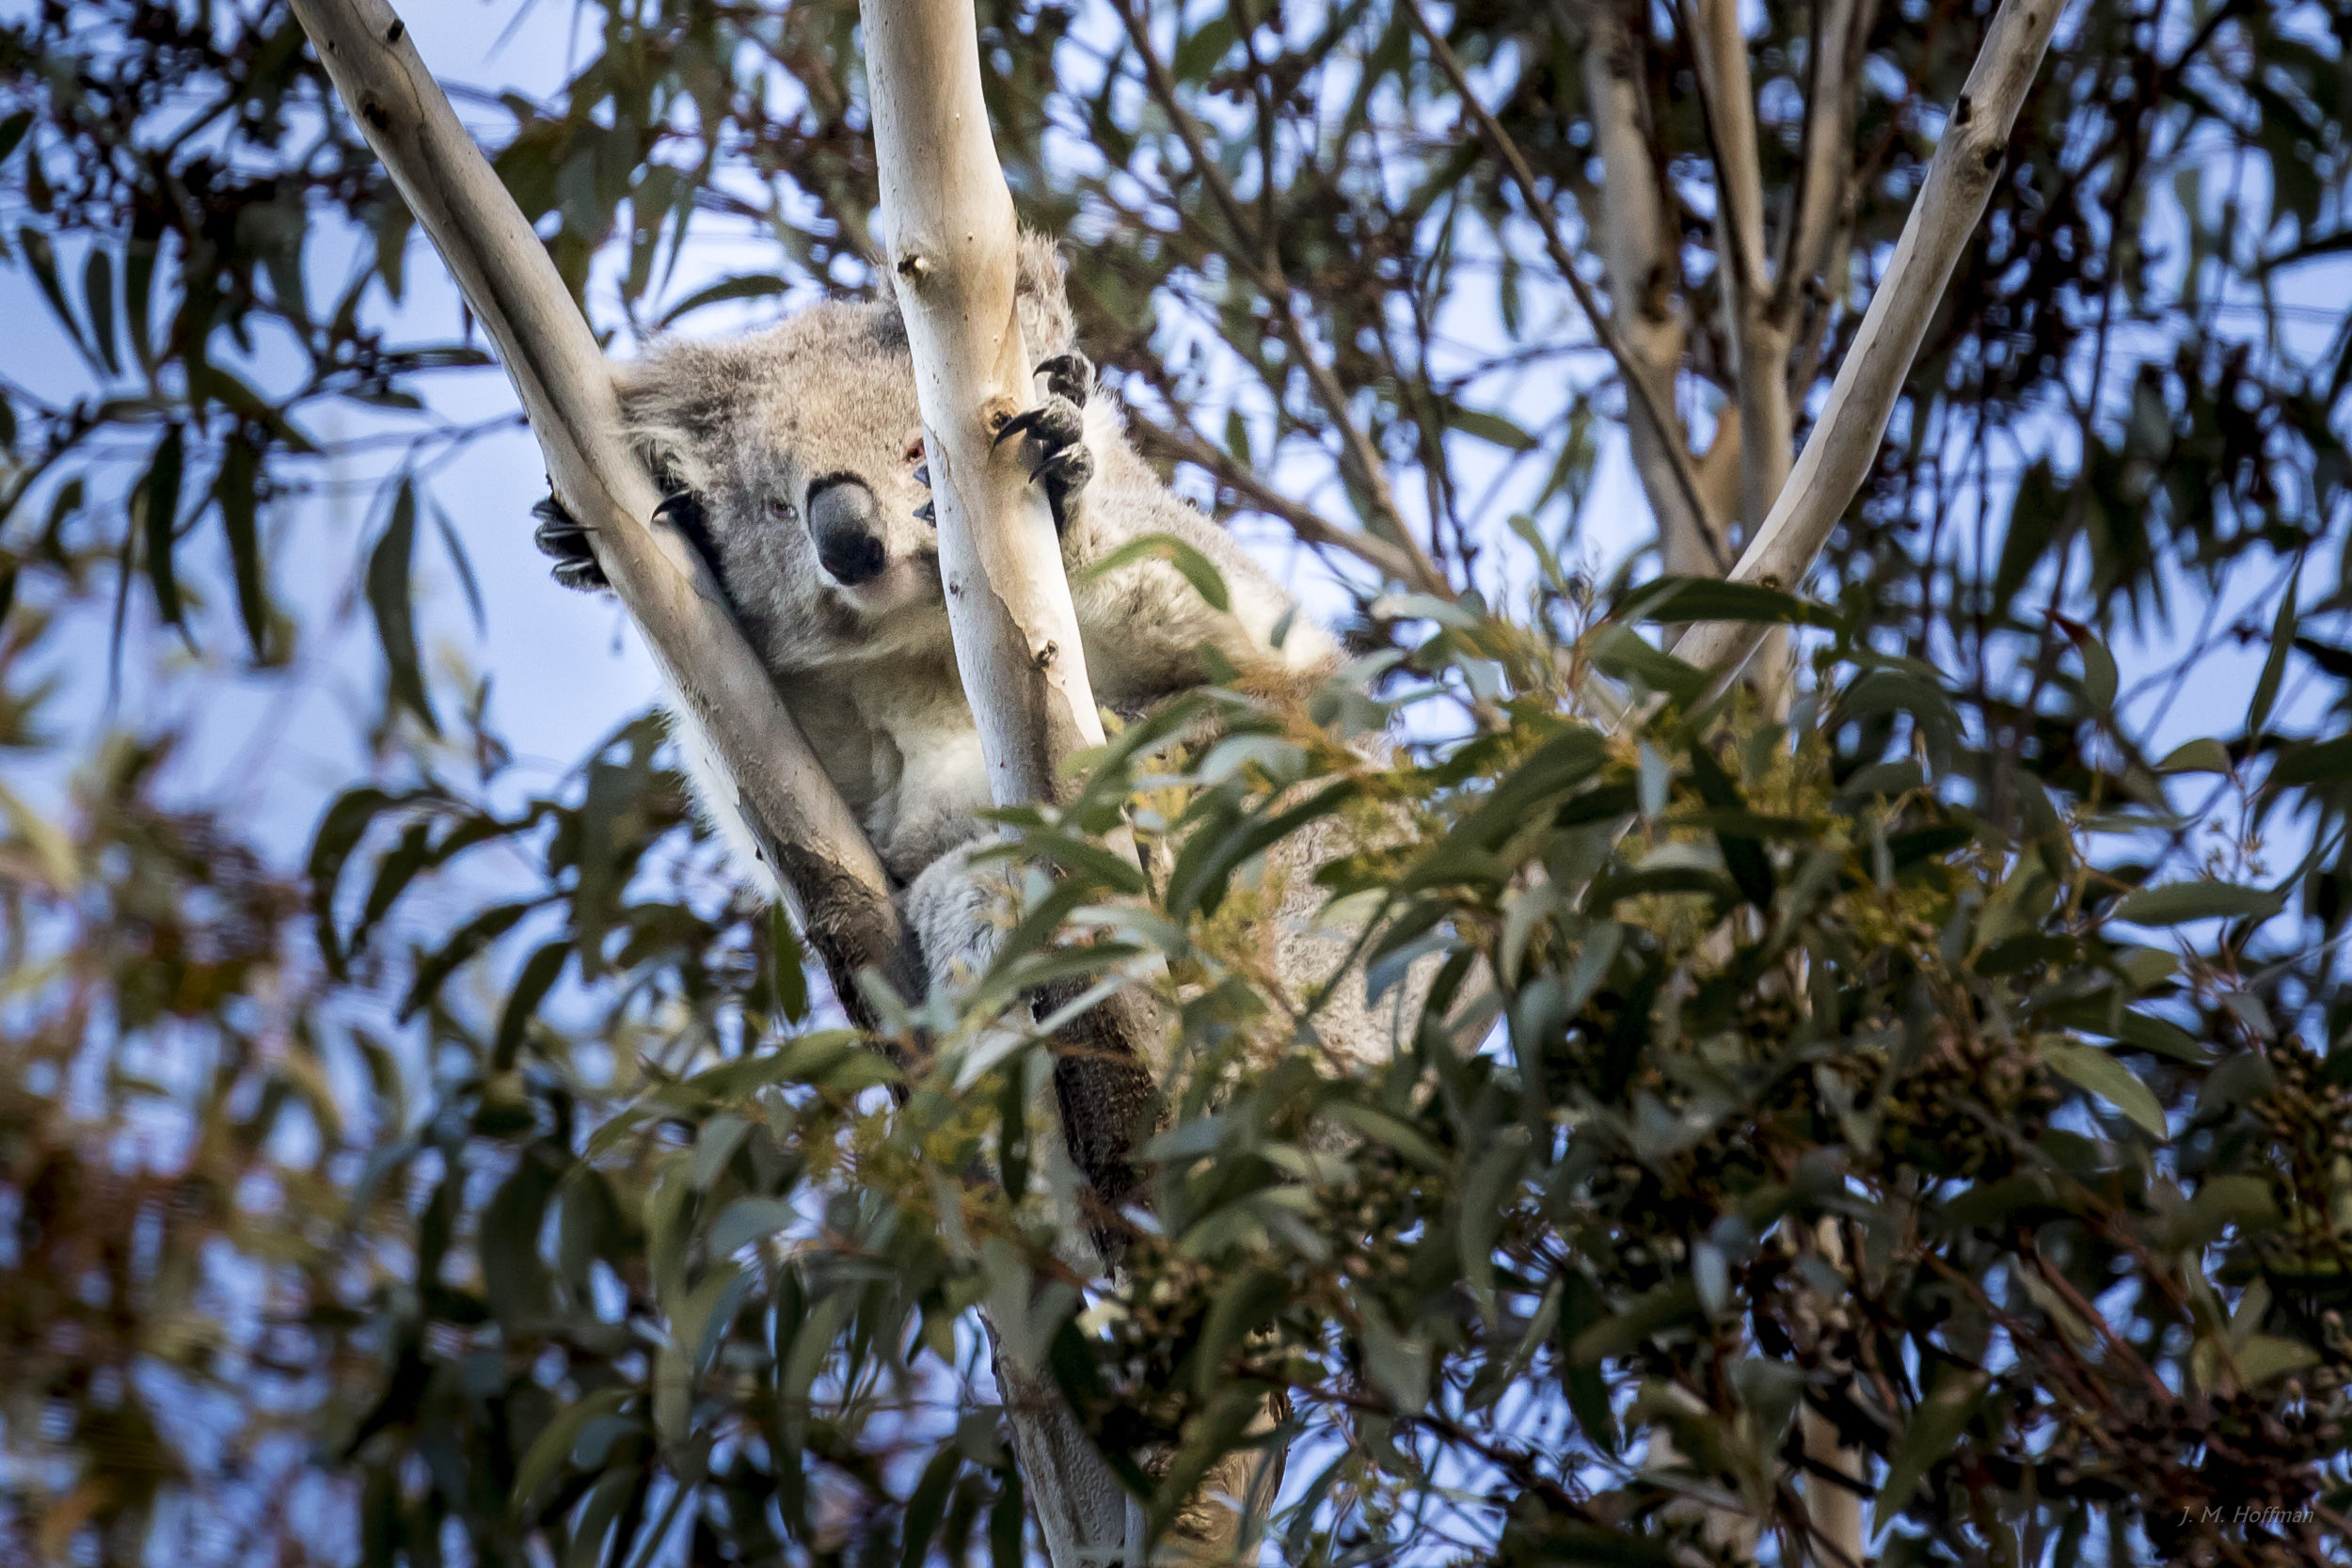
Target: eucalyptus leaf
{"points": [[2089, 1068], [1933, 1427], [392, 600], [2178, 903]]}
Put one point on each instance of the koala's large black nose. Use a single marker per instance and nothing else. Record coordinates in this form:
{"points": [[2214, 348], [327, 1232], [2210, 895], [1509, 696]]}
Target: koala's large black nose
{"points": [[846, 521]]}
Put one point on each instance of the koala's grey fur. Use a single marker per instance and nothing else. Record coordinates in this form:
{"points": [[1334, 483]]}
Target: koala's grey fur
{"points": [[870, 671]]}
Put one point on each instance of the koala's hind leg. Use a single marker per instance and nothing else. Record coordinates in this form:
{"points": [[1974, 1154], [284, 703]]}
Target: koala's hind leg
{"points": [[958, 913]]}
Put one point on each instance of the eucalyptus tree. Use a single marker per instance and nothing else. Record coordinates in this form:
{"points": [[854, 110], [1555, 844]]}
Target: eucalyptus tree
{"points": [[1921, 1091]]}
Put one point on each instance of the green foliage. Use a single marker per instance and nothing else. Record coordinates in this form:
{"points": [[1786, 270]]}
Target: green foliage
{"points": [[1952, 1066], [1740, 1089]]}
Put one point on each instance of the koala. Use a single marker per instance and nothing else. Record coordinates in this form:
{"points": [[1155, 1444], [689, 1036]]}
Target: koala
{"points": [[793, 459]]}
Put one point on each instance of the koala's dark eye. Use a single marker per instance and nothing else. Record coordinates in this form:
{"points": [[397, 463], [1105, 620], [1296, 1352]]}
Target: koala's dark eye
{"points": [[782, 509]]}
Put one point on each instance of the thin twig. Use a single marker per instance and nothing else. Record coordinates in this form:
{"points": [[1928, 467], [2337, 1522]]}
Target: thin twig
{"points": [[1359, 452], [1180, 444]]}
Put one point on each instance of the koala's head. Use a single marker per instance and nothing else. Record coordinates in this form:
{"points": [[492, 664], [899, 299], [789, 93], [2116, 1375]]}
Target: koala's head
{"points": [[800, 444]]}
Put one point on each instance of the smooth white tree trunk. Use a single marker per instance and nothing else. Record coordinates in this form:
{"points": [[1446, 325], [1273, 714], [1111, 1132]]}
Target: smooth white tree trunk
{"points": [[949, 220], [953, 240]]}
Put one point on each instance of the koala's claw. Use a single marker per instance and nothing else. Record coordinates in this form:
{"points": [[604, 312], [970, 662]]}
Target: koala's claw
{"points": [[562, 536], [1065, 473], [1068, 375], [565, 537], [1055, 423], [927, 513], [1059, 426]]}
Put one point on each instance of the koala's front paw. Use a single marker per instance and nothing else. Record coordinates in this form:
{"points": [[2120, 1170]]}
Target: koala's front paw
{"points": [[1059, 426], [565, 537], [562, 536]]}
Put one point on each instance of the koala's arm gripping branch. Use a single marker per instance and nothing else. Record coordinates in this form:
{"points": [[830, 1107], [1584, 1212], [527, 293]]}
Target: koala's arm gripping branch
{"points": [[805, 829]]}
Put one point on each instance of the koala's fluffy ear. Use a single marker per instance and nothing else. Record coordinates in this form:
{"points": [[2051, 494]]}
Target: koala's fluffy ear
{"points": [[1041, 296], [673, 403]]}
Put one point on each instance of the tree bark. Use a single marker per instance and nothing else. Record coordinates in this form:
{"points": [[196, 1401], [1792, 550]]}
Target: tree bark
{"points": [[952, 239], [1753, 323], [806, 832], [1759, 339], [1819, 208], [1637, 246]]}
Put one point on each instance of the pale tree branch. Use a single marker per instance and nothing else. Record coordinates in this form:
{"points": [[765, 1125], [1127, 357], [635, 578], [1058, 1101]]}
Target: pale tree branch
{"points": [[1640, 387], [1825, 165], [1719, 465], [1811, 283], [1837, 456], [953, 239], [953, 246], [805, 830], [1835, 1475], [1759, 340], [1359, 460], [1639, 251], [1719, 50], [1807, 501], [1815, 323]]}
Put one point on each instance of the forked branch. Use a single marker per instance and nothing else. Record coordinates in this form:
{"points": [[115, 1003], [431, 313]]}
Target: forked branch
{"points": [[1837, 456], [1638, 250]]}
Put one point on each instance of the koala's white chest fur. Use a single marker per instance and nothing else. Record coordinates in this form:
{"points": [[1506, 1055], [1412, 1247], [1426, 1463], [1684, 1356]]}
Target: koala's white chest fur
{"points": [[929, 776], [898, 743]]}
